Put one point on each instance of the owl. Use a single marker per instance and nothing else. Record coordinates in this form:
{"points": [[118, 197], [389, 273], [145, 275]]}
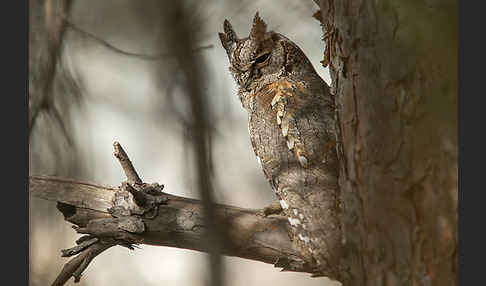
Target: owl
{"points": [[291, 121]]}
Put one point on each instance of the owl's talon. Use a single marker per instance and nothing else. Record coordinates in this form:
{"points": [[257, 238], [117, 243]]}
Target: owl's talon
{"points": [[274, 208]]}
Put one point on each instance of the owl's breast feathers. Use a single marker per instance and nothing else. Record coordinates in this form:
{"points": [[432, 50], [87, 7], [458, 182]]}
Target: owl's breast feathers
{"points": [[298, 115], [291, 125]]}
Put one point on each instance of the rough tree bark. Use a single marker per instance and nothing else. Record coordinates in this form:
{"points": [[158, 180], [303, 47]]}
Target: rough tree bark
{"points": [[394, 78], [394, 74]]}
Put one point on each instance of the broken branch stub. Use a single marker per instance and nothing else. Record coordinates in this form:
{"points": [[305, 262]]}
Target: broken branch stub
{"points": [[130, 172], [138, 213], [132, 201]]}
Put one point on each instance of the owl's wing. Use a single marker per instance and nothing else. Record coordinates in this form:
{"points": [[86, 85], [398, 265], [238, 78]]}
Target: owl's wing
{"points": [[286, 101]]}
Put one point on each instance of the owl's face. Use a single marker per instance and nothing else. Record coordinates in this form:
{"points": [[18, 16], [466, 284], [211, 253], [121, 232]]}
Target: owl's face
{"points": [[261, 54]]}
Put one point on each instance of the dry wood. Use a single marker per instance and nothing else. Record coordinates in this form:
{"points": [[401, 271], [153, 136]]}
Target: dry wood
{"points": [[251, 234], [126, 164], [178, 222]]}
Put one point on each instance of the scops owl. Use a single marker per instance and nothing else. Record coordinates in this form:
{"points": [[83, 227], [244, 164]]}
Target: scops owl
{"points": [[292, 130]]}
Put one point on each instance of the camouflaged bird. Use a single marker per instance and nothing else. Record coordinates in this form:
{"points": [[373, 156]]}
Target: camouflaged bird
{"points": [[292, 129]]}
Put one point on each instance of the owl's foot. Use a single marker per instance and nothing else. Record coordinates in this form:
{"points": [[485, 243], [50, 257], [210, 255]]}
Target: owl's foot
{"points": [[274, 208]]}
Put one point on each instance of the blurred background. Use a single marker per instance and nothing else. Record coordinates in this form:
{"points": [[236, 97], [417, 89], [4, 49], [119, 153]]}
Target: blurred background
{"points": [[114, 78]]}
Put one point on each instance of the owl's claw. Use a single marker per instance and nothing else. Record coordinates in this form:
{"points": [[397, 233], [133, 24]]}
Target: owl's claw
{"points": [[273, 209]]}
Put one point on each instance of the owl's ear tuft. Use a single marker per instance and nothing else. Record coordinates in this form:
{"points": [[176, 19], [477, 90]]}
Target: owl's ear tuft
{"points": [[258, 29], [224, 40], [228, 38], [228, 30]]}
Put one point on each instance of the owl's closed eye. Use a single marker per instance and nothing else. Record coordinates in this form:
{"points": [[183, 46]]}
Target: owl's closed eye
{"points": [[262, 54], [259, 54]]}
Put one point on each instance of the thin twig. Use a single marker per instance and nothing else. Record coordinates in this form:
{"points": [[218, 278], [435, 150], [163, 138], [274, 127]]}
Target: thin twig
{"points": [[80, 247], [120, 51], [78, 264], [58, 118], [126, 164]]}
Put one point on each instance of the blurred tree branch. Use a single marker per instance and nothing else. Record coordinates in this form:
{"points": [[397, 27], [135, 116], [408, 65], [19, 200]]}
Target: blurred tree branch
{"points": [[55, 30], [117, 50], [181, 37]]}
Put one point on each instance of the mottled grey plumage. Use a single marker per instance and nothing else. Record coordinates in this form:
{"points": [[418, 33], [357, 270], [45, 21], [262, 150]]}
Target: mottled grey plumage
{"points": [[291, 125]]}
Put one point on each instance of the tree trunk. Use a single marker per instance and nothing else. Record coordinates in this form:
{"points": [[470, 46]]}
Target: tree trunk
{"points": [[394, 76]]}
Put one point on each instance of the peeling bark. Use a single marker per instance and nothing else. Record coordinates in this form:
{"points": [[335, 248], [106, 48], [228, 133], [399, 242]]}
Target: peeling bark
{"points": [[394, 73]]}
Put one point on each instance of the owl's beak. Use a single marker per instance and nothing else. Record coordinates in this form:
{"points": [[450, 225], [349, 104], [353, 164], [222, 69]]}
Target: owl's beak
{"points": [[246, 84], [245, 79]]}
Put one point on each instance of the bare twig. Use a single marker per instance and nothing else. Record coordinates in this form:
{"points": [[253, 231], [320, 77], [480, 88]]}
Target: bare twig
{"points": [[76, 266], [117, 50], [126, 164], [90, 246], [58, 118], [80, 247]]}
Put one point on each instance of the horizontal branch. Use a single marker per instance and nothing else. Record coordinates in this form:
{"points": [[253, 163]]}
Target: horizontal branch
{"points": [[248, 232]]}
